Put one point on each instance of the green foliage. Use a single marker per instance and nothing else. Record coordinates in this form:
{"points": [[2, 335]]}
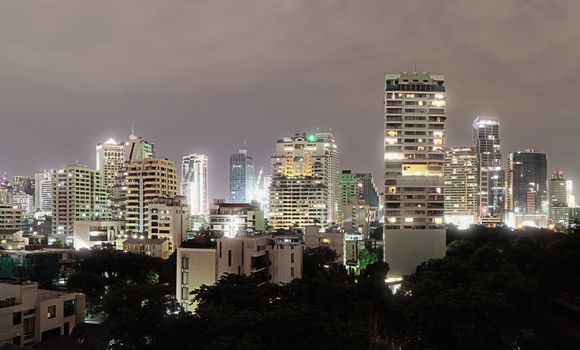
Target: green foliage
{"points": [[367, 257]]}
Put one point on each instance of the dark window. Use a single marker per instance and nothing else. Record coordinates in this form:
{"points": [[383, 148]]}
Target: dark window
{"points": [[16, 318], [69, 308], [229, 258]]}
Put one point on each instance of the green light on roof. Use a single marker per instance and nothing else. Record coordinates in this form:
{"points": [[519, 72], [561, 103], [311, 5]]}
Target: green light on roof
{"points": [[311, 138]]}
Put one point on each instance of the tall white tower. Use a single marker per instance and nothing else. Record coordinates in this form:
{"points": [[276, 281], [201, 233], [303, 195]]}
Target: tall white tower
{"points": [[414, 159], [194, 183]]}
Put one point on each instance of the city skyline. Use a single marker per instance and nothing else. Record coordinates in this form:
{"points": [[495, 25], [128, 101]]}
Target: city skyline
{"points": [[76, 93]]}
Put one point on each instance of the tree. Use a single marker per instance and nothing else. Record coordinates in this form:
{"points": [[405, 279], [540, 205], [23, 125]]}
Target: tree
{"points": [[318, 260]]}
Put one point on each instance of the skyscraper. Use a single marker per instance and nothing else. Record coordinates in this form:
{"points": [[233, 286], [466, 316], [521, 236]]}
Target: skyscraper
{"points": [[369, 190], [414, 158], [138, 149], [43, 191], [78, 194], [304, 188], [194, 183], [147, 180], [110, 159], [558, 199], [23, 184], [461, 201], [527, 182], [242, 178], [491, 176]]}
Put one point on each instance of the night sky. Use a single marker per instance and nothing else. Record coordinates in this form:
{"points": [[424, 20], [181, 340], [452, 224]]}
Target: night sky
{"points": [[207, 76]]}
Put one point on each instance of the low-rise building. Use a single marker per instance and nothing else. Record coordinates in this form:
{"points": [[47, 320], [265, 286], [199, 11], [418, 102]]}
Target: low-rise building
{"points": [[88, 234], [233, 219], [10, 217], [156, 248], [37, 264], [11, 239], [314, 237], [29, 315], [274, 259]]}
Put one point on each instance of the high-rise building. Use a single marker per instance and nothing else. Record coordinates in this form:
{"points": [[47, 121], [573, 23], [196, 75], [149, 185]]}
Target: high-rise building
{"points": [[138, 149], [491, 176], [414, 158], [194, 183], [369, 190], [558, 199], [25, 202], [169, 220], [348, 193], [527, 182], [43, 191], [570, 193], [461, 201], [10, 217], [304, 188], [78, 195], [242, 178], [110, 159], [147, 180], [23, 184]]}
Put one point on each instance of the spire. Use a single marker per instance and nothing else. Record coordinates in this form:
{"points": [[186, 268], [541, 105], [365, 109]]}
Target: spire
{"points": [[132, 136]]}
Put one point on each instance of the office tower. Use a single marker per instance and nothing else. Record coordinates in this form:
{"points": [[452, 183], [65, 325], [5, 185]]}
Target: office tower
{"points": [[570, 194], [43, 191], [194, 183], [558, 199], [110, 159], [369, 190], [138, 149], [491, 175], [23, 184], [461, 201], [527, 182], [348, 193], [304, 187], [414, 159], [78, 194], [242, 178], [263, 193], [147, 180]]}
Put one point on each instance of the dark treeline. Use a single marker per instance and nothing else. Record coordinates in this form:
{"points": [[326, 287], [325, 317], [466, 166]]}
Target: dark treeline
{"points": [[496, 289]]}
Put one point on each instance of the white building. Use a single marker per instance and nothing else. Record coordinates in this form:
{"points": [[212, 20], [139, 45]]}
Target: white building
{"points": [[110, 160], [10, 217], [168, 219], [78, 194], [29, 315], [194, 183], [304, 188], [461, 187], [275, 259], [43, 191], [558, 199], [414, 159], [25, 202], [88, 234], [233, 219]]}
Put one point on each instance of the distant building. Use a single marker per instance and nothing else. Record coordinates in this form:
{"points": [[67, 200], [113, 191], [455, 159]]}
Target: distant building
{"points": [[194, 183], [29, 315], [136, 148], [414, 142], [304, 188], [78, 195], [521, 220], [89, 234], [242, 178], [558, 199], [110, 159], [156, 248], [527, 182], [25, 202], [147, 180], [43, 191], [37, 264], [461, 186], [23, 185], [233, 219], [269, 259], [168, 219], [491, 176]]}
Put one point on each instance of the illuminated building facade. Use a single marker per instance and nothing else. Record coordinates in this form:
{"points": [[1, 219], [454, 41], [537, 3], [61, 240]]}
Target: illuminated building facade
{"points": [[527, 182], [110, 159], [147, 180], [194, 183], [304, 188], [461, 201], [235, 219], [558, 199], [414, 158], [78, 194], [491, 176], [43, 191], [242, 178]]}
